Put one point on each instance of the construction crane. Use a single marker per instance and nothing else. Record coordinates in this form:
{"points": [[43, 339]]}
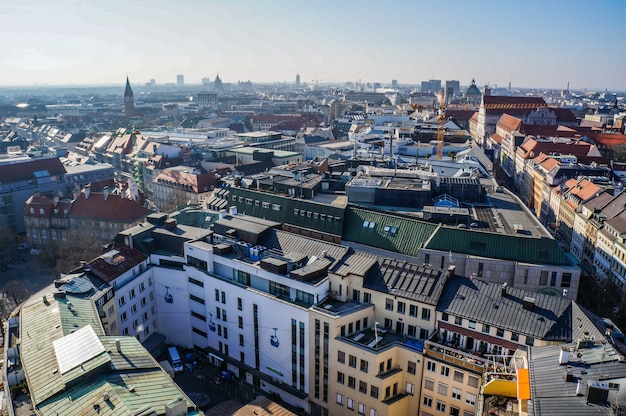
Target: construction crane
{"points": [[441, 120]]}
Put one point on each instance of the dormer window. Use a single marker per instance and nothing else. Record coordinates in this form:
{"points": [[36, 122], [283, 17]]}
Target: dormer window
{"points": [[41, 211], [32, 210]]}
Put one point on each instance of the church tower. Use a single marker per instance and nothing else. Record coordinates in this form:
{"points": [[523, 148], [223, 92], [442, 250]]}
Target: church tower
{"points": [[129, 100], [217, 84]]}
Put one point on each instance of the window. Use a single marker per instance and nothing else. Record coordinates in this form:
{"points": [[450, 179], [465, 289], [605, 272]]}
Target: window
{"points": [[500, 332], [431, 366], [199, 316], [241, 340], [458, 320], [340, 377], [426, 314], [217, 295], [195, 282], [470, 399], [566, 279], [239, 304], [364, 365], [445, 316], [401, 307], [530, 341], [276, 207], [352, 361], [411, 367], [410, 388], [428, 402], [543, 279], [454, 411], [445, 371], [471, 325], [340, 399], [350, 404], [122, 301], [123, 317], [456, 393], [429, 384], [362, 408], [472, 381], [553, 279], [413, 310], [481, 267], [341, 357], [389, 304], [367, 297], [362, 387], [351, 382], [458, 376], [223, 297], [412, 331], [514, 336], [373, 412], [486, 328], [441, 407], [265, 204], [442, 389], [240, 319], [374, 392]]}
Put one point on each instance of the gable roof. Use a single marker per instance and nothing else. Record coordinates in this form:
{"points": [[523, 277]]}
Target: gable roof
{"points": [[113, 209], [509, 123], [16, 172], [480, 301]]}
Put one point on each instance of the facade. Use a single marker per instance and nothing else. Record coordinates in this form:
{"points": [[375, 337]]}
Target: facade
{"points": [[20, 181], [183, 185], [89, 216]]}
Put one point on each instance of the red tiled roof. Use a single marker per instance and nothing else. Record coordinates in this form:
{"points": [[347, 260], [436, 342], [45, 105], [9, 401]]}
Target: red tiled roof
{"points": [[460, 114], [199, 183], [111, 265], [532, 146], [564, 115], [495, 101], [607, 139], [549, 164], [509, 123], [24, 171], [113, 209], [496, 138]]}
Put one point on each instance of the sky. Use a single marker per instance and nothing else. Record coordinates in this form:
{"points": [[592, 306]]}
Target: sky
{"points": [[530, 43]]}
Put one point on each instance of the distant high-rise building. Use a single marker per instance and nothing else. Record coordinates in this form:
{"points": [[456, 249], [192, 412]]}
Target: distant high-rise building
{"points": [[394, 83], [432, 85], [453, 88], [217, 84], [297, 80], [180, 80], [152, 82], [206, 81], [129, 100]]}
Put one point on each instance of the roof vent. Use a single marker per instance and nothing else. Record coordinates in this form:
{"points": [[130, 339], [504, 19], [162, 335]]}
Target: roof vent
{"points": [[118, 346], [503, 290]]}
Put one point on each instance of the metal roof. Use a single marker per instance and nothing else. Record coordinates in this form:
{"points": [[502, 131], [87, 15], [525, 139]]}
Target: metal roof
{"points": [[480, 301], [407, 280], [554, 393], [498, 246], [78, 381], [386, 230]]}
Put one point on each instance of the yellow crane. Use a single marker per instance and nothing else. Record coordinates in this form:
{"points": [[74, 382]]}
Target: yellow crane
{"points": [[441, 120]]}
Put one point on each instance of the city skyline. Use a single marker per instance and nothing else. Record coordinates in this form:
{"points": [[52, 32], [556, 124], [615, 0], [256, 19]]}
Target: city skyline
{"points": [[530, 44]]}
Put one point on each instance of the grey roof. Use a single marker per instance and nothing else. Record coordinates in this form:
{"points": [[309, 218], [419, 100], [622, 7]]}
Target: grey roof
{"points": [[408, 280], [483, 302], [293, 243], [616, 205], [50, 326], [552, 394]]}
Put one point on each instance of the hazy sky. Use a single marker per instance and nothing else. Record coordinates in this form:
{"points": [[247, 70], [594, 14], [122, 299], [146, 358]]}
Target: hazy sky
{"points": [[532, 43]]}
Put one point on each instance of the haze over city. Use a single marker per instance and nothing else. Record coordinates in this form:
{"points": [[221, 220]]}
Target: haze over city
{"points": [[530, 44]]}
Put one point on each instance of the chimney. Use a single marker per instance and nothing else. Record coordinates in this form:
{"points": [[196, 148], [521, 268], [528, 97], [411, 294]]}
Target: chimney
{"points": [[55, 200], [503, 290], [118, 346], [232, 210], [105, 192], [528, 303], [87, 191], [450, 272]]}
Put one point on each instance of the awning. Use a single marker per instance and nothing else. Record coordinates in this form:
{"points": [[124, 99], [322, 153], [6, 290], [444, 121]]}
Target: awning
{"points": [[215, 356]]}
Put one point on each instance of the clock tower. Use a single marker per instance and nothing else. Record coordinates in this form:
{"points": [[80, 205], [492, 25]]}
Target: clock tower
{"points": [[129, 100]]}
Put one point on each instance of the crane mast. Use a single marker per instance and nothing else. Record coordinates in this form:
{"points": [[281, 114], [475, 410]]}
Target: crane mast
{"points": [[441, 119]]}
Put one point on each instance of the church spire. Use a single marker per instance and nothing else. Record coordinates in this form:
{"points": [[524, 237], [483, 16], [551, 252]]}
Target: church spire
{"points": [[129, 100]]}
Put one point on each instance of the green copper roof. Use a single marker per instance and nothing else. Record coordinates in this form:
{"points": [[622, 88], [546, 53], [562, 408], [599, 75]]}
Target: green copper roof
{"points": [[386, 231], [498, 246]]}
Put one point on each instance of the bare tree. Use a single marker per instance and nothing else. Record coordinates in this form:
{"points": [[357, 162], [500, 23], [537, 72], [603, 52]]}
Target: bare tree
{"points": [[18, 291]]}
